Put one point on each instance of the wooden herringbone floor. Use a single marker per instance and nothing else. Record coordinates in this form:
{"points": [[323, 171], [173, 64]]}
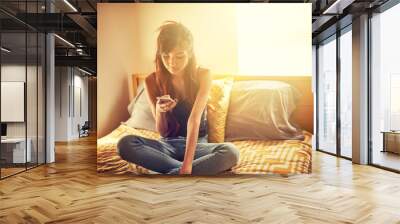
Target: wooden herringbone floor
{"points": [[70, 191]]}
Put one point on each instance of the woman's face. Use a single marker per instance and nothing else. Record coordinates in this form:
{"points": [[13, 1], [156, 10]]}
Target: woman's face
{"points": [[176, 60]]}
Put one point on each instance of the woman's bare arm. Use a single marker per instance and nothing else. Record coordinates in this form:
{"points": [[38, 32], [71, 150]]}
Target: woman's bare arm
{"points": [[193, 124], [159, 117]]}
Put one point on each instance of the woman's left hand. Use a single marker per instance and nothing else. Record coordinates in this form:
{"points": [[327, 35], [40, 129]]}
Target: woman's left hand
{"points": [[166, 105], [186, 169]]}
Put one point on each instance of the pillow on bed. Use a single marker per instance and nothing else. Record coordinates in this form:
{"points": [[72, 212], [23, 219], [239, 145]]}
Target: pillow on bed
{"points": [[260, 110], [132, 103], [217, 109], [141, 115]]}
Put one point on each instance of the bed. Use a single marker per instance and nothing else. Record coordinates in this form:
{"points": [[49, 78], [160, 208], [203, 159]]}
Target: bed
{"points": [[256, 156]]}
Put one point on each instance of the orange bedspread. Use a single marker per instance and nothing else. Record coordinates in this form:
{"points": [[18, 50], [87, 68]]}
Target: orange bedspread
{"points": [[256, 157]]}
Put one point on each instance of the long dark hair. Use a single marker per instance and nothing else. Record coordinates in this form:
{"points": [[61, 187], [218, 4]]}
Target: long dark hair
{"points": [[173, 34]]}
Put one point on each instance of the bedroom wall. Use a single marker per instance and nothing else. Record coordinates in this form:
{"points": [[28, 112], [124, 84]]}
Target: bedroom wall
{"points": [[223, 41]]}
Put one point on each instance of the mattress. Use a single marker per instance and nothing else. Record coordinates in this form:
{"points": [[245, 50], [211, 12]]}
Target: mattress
{"points": [[256, 157]]}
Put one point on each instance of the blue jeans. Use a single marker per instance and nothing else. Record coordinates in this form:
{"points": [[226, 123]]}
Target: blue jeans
{"points": [[166, 155]]}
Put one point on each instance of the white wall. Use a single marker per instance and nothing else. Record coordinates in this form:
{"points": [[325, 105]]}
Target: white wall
{"points": [[61, 103], [69, 85], [79, 117], [273, 39]]}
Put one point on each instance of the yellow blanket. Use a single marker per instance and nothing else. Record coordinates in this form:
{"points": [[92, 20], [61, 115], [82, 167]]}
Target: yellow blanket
{"points": [[256, 157]]}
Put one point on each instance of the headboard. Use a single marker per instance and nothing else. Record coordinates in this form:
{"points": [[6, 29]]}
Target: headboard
{"points": [[303, 115]]}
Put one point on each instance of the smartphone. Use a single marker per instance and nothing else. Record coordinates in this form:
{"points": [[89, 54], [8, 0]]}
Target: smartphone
{"points": [[164, 99]]}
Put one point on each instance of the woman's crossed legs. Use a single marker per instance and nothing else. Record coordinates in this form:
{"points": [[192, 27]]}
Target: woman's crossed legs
{"points": [[166, 155]]}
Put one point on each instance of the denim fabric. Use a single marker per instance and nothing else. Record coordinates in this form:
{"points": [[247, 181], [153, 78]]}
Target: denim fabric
{"points": [[166, 155]]}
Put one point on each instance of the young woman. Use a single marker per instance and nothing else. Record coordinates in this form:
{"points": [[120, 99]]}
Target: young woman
{"points": [[178, 92]]}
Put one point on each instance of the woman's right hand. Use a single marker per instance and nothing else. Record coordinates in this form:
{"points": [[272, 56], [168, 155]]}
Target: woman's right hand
{"points": [[165, 105]]}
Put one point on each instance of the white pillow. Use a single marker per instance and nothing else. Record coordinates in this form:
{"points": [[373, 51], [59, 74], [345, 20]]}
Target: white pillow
{"points": [[261, 110], [140, 111]]}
